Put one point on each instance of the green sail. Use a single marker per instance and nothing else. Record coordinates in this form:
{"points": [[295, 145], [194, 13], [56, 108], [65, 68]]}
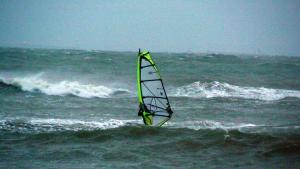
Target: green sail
{"points": [[154, 103]]}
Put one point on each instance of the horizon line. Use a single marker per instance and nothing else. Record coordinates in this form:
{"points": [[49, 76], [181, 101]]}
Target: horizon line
{"points": [[154, 51]]}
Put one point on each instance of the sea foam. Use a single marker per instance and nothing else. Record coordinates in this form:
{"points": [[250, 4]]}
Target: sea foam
{"points": [[218, 89]]}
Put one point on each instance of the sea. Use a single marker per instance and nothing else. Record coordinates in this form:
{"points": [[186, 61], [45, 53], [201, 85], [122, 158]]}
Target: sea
{"points": [[71, 109]]}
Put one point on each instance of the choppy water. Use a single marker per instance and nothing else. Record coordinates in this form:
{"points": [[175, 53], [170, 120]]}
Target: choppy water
{"points": [[78, 109]]}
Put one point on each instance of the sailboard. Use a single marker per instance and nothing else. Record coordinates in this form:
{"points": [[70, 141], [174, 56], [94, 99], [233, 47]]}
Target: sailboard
{"points": [[153, 101]]}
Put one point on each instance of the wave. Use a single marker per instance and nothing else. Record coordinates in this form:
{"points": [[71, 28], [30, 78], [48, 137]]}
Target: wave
{"points": [[37, 84], [218, 89], [48, 125], [53, 125], [210, 124], [87, 139], [39, 125]]}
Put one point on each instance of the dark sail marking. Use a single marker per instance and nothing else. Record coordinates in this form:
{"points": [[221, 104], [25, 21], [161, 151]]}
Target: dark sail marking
{"points": [[150, 80], [156, 97], [156, 106], [147, 66]]}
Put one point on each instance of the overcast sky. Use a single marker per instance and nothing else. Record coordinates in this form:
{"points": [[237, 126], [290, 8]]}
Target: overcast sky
{"points": [[237, 26]]}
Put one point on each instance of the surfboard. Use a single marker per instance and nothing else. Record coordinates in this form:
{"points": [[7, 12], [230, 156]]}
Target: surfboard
{"points": [[154, 104]]}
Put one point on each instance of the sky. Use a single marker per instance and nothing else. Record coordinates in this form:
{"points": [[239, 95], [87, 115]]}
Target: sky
{"points": [[230, 26]]}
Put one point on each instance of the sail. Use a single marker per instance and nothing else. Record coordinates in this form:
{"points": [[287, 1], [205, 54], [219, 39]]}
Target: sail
{"points": [[154, 104]]}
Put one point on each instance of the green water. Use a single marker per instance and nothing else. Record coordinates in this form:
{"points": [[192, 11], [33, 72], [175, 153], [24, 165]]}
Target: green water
{"points": [[78, 109]]}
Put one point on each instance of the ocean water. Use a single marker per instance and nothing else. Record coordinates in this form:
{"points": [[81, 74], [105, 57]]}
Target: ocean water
{"points": [[78, 109]]}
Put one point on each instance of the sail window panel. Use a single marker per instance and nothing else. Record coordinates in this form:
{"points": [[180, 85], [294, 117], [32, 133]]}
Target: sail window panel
{"points": [[145, 62], [162, 113], [153, 88], [159, 119], [149, 73], [155, 103]]}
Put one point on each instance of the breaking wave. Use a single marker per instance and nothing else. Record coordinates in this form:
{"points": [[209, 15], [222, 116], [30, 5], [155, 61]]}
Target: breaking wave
{"points": [[37, 84], [217, 89]]}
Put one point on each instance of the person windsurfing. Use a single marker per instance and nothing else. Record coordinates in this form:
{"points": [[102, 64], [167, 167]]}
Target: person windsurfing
{"points": [[154, 106]]}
